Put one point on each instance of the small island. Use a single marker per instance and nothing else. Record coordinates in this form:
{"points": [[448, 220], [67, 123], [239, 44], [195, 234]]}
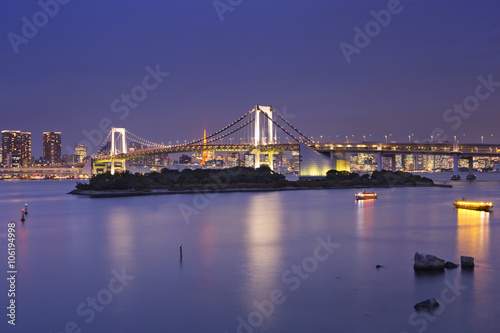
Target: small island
{"points": [[238, 179]]}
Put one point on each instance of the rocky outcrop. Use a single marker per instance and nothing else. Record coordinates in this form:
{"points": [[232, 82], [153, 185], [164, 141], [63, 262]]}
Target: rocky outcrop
{"points": [[450, 264], [427, 305], [467, 262], [427, 262]]}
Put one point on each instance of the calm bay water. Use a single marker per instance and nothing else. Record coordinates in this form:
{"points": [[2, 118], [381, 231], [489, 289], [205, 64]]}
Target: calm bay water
{"points": [[112, 265]]}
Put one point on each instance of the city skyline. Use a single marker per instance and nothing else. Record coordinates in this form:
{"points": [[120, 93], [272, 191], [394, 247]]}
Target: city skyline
{"points": [[371, 68]]}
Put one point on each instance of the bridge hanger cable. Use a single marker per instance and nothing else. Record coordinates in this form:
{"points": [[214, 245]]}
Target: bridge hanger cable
{"points": [[229, 133], [102, 145], [293, 127], [283, 129], [144, 141], [222, 130]]}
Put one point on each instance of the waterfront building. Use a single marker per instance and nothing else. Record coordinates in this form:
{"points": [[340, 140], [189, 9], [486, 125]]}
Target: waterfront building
{"points": [[16, 143], [81, 153], [11, 144], [14, 160], [25, 150], [184, 159], [52, 147], [233, 160], [249, 160]]}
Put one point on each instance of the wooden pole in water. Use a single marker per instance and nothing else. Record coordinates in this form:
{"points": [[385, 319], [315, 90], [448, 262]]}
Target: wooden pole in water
{"points": [[180, 248]]}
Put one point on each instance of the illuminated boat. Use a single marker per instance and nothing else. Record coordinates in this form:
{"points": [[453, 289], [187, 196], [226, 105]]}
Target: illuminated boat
{"points": [[365, 195], [474, 205], [455, 177]]}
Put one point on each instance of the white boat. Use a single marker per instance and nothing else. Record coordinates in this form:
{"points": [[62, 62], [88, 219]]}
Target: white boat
{"points": [[365, 195]]}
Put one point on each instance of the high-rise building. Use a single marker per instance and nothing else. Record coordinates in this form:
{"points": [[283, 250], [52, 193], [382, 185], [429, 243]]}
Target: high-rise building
{"points": [[52, 147], [25, 149], [11, 144], [81, 153], [16, 143]]}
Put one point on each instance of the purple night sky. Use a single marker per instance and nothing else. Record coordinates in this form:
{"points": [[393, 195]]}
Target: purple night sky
{"points": [[70, 74]]}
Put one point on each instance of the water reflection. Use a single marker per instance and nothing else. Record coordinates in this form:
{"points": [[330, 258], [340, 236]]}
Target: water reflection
{"points": [[473, 235], [264, 224], [208, 240], [119, 231], [473, 232], [365, 217]]}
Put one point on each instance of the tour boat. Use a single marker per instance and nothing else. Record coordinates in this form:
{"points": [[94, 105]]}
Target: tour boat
{"points": [[455, 177], [475, 205], [365, 195]]}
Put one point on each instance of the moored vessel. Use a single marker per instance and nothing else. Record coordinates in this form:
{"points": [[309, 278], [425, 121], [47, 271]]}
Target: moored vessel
{"points": [[471, 177], [474, 205], [365, 195]]}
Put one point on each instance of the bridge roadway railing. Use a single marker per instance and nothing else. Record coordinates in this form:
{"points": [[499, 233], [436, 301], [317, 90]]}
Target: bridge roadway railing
{"points": [[366, 147], [397, 148], [199, 148]]}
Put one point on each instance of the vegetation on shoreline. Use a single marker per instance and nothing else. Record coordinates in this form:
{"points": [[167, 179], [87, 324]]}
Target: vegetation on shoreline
{"points": [[241, 177]]}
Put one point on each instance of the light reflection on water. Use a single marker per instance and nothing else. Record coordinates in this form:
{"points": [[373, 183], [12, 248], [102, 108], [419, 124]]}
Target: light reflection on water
{"points": [[365, 217], [264, 223], [473, 232]]}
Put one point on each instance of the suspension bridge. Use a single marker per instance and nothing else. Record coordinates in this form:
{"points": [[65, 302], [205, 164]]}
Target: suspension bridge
{"points": [[262, 131], [259, 131]]}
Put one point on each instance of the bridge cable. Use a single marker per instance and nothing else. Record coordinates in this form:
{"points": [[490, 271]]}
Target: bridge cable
{"points": [[283, 129], [144, 141], [293, 127], [102, 145], [222, 130], [229, 133]]}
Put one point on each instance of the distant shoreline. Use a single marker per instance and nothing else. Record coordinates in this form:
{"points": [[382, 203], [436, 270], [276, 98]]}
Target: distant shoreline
{"points": [[116, 194]]}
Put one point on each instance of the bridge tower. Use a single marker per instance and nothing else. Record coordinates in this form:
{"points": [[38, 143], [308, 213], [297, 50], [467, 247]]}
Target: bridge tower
{"points": [[205, 153], [121, 136], [118, 146], [263, 134]]}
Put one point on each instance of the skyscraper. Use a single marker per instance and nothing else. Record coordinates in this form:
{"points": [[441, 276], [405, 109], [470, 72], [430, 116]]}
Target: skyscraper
{"points": [[16, 143], [11, 144], [52, 147], [25, 149]]}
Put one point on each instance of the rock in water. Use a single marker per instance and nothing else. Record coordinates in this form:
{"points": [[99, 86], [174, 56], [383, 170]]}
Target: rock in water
{"points": [[427, 261], [427, 305], [467, 262], [450, 264], [378, 266]]}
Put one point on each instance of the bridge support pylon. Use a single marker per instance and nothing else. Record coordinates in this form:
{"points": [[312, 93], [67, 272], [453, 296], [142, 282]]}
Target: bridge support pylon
{"points": [[379, 161], [117, 165], [471, 165], [393, 163], [455, 164], [270, 158]]}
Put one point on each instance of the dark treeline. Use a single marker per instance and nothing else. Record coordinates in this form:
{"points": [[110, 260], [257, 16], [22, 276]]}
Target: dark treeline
{"points": [[241, 177]]}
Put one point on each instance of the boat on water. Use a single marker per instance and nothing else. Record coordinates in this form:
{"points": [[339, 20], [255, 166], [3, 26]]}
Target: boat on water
{"points": [[455, 177], [474, 205], [471, 177], [365, 195]]}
